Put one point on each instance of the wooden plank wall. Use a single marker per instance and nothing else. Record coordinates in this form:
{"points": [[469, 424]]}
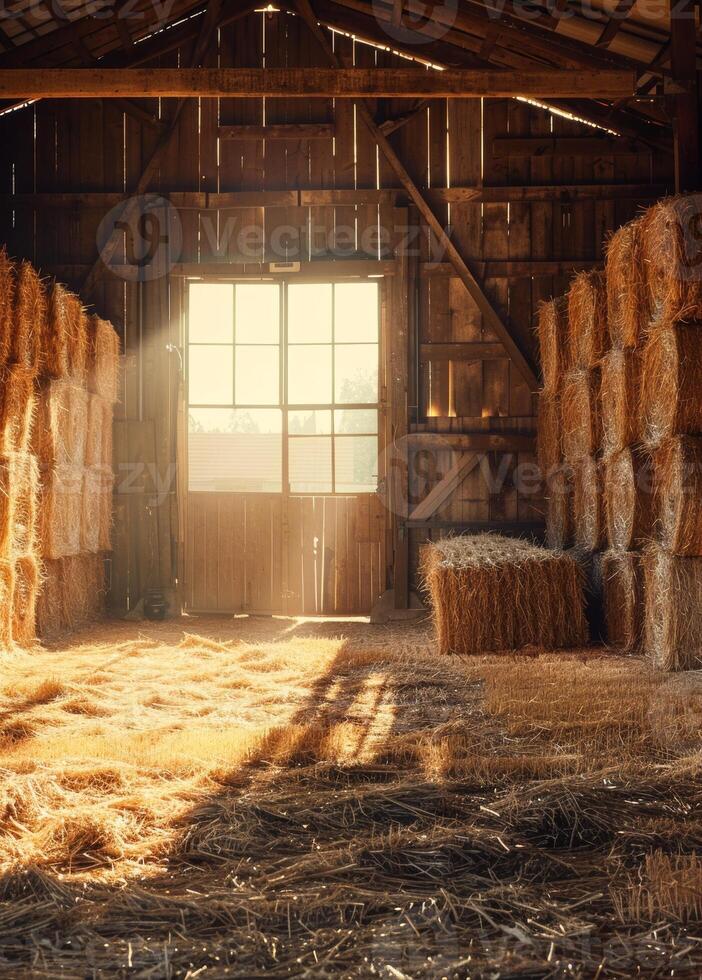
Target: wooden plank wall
{"points": [[92, 145]]}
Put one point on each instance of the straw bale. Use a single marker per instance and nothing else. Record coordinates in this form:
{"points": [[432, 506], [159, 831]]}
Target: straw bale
{"points": [[670, 251], [24, 600], [671, 381], [103, 359], [553, 342], [495, 593], [96, 423], [627, 302], [7, 305], [623, 603], [678, 477], [559, 508], [7, 589], [51, 612], [673, 610], [17, 407], [588, 506], [24, 482], [63, 425], [29, 318], [61, 511], [90, 510], [630, 502], [77, 339], [587, 319], [619, 400], [548, 432], [55, 362], [580, 414]]}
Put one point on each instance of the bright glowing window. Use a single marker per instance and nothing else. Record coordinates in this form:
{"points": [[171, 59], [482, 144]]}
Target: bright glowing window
{"points": [[283, 386]]}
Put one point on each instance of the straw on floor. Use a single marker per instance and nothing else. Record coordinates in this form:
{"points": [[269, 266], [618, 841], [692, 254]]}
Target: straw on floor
{"points": [[587, 319], [671, 381], [678, 474], [619, 399], [630, 499], [627, 305], [493, 593], [622, 599], [673, 610]]}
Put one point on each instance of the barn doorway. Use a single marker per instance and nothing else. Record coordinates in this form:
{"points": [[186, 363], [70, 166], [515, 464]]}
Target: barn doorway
{"points": [[283, 401]]}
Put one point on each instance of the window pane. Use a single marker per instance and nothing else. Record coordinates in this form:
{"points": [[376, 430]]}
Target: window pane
{"points": [[258, 313], [235, 450], [356, 367], [210, 319], [309, 464], [356, 420], [356, 312], [210, 375], [310, 313], [356, 464], [309, 375], [309, 423], [257, 376]]}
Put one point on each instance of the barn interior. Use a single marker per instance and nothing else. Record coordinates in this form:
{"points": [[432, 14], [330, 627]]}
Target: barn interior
{"points": [[350, 519]]}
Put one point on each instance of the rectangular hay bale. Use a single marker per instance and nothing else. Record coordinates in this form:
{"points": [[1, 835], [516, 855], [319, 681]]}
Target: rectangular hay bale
{"points": [[24, 600], [30, 311], [627, 302], [17, 407], [588, 504], [623, 604], [671, 381], [619, 400], [580, 414], [493, 593], [673, 610], [559, 508], [587, 319], [553, 342], [677, 465], [7, 589], [103, 359], [61, 512], [72, 594], [630, 499], [548, 432]]}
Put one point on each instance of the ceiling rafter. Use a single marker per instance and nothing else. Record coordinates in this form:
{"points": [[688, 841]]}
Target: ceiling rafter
{"points": [[615, 23]]}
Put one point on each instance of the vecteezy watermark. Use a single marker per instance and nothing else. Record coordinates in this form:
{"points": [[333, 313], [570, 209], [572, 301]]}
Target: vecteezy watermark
{"points": [[419, 22], [141, 238], [33, 13], [687, 213]]}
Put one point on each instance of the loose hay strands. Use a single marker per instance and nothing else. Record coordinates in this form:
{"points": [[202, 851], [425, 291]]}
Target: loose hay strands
{"points": [[55, 360], [24, 601], [670, 251], [17, 407], [580, 414], [678, 475], [671, 381], [495, 593], [7, 589], [673, 610], [548, 433], [622, 593], [7, 305], [103, 359], [630, 501], [627, 305], [61, 512], [619, 400], [553, 342], [559, 508], [29, 318], [668, 886], [588, 506], [587, 319]]}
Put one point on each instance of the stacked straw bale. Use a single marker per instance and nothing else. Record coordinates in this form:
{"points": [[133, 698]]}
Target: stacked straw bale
{"points": [[493, 593], [670, 255], [587, 319], [626, 288], [622, 595], [671, 385]]}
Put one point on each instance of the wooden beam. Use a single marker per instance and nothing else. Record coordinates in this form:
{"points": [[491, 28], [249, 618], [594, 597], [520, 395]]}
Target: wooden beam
{"points": [[685, 98], [480, 442], [563, 146], [279, 131], [438, 495], [468, 351], [303, 83], [515, 268], [613, 26]]}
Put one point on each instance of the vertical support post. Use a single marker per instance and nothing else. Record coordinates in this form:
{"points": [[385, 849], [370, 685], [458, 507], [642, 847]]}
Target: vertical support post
{"points": [[399, 420], [685, 104]]}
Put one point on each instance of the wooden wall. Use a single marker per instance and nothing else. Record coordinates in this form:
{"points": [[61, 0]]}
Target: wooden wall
{"points": [[92, 146]]}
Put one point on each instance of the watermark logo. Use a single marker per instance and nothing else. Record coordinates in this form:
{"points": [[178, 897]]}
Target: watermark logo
{"points": [[687, 211], [419, 23], [141, 238]]}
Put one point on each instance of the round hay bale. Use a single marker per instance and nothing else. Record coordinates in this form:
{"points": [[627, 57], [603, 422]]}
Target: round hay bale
{"points": [[548, 432], [671, 382], [495, 593], [630, 501], [30, 312], [24, 600], [587, 319], [588, 509], [672, 610], [622, 599], [670, 252], [553, 342], [103, 359], [619, 400], [55, 361], [678, 473], [559, 508], [7, 305], [580, 414], [627, 302]]}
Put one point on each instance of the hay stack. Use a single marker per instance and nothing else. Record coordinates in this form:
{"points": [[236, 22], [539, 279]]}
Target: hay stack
{"points": [[678, 475], [7, 305], [103, 359], [495, 593], [62, 425], [17, 407], [30, 310], [548, 432], [629, 498], [670, 251], [588, 506], [61, 512], [673, 610], [627, 303], [622, 595], [587, 319], [619, 400], [671, 383], [24, 600], [553, 342], [580, 414], [559, 508]]}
